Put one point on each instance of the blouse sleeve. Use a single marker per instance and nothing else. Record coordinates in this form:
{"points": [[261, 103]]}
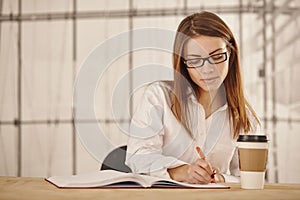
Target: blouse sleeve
{"points": [[234, 175], [145, 143]]}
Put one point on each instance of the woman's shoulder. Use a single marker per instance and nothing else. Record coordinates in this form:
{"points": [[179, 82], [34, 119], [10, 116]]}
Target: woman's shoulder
{"points": [[162, 89], [165, 86]]}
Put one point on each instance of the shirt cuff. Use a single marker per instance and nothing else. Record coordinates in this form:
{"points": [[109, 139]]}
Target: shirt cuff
{"points": [[231, 179], [163, 172]]}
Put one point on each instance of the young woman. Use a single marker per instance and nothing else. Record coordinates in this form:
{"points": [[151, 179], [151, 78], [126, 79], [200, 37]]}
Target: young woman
{"points": [[203, 107]]}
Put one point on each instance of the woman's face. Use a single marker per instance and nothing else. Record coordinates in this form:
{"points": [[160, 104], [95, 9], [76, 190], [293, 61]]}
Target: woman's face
{"points": [[211, 75]]}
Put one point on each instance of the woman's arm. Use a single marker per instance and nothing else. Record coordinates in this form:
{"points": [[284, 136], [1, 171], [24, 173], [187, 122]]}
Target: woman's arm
{"points": [[145, 143]]}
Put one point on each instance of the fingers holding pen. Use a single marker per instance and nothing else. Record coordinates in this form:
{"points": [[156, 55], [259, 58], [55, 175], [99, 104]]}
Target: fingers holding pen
{"points": [[206, 165], [200, 172]]}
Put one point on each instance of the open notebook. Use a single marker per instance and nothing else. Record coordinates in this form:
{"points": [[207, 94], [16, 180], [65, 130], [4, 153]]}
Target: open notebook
{"points": [[111, 178]]}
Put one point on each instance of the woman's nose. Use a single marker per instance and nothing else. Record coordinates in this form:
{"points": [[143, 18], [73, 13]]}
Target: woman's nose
{"points": [[208, 68]]}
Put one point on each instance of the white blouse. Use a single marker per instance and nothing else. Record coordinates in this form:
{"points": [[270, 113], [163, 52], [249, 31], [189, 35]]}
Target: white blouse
{"points": [[158, 141]]}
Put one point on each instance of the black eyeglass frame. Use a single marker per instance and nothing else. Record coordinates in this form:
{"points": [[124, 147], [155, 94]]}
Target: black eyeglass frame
{"points": [[206, 58]]}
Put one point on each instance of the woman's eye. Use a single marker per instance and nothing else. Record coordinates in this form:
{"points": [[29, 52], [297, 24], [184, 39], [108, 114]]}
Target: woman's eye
{"points": [[193, 62], [217, 57]]}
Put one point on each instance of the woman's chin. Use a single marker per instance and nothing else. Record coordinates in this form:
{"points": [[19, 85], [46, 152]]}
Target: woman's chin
{"points": [[209, 87]]}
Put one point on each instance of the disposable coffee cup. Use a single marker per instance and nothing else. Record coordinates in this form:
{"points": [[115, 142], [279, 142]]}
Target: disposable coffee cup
{"points": [[253, 153]]}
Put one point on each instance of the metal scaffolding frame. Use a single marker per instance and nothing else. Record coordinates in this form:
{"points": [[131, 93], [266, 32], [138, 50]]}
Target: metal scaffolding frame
{"points": [[268, 8], [132, 12]]}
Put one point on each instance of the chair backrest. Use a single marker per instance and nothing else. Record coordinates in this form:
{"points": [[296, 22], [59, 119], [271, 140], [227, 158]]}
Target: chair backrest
{"points": [[115, 160]]}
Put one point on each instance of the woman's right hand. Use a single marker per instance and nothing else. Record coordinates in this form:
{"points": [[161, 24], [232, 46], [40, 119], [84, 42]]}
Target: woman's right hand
{"points": [[198, 172]]}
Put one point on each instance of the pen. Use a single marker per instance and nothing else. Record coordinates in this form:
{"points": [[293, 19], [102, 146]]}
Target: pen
{"points": [[200, 153]]}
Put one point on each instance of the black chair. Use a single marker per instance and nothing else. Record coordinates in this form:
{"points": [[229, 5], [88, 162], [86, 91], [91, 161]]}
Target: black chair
{"points": [[115, 160]]}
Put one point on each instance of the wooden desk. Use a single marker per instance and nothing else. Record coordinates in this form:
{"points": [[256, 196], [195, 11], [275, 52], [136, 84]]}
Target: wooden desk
{"points": [[20, 188]]}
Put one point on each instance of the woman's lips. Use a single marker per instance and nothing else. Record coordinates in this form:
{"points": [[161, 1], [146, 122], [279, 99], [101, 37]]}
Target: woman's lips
{"points": [[209, 80]]}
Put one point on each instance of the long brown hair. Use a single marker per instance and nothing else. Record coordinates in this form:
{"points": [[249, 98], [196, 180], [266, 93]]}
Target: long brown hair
{"points": [[209, 24]]}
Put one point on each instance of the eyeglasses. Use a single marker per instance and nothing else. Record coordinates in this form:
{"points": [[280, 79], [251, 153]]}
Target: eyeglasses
{"points": [[213, 59]]}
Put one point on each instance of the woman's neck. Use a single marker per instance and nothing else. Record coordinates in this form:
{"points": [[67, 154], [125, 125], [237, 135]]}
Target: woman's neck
{"points": [[212, 100]]}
